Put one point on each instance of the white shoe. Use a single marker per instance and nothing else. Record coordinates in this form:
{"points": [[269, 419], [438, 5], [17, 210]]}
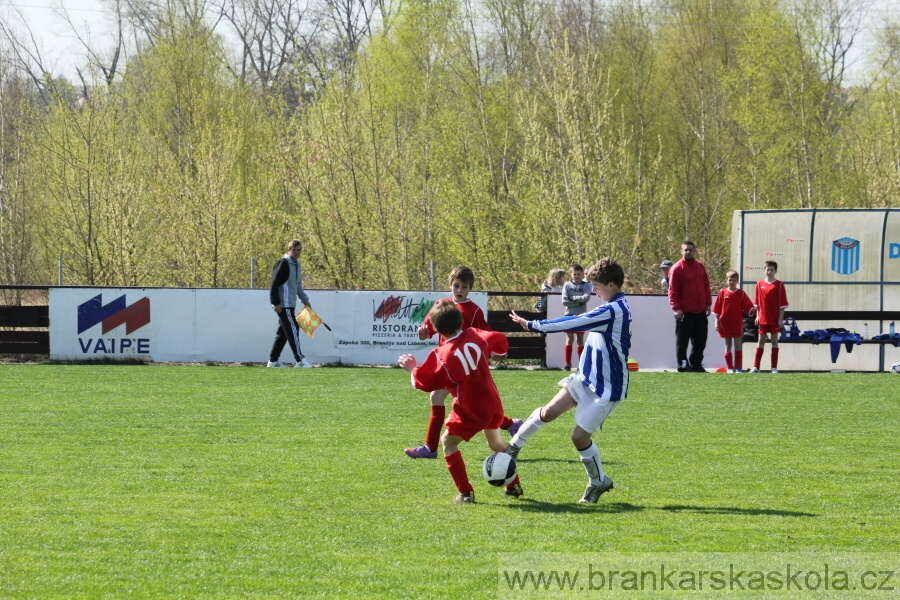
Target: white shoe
{"points": [[274, 365], [774, 371], [303, 364], [753, 370]]}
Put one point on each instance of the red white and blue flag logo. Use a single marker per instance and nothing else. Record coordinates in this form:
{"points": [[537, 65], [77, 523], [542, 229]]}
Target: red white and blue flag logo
{"points": [[110, 316], [113, 314]]}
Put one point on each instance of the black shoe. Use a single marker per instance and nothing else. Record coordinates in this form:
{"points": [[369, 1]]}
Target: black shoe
{"points": [[683, 369], [699, 369], [515, 490]]}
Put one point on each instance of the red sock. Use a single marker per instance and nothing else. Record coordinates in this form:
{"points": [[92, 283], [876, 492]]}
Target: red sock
{"points": [[774, 358], [568, 354], [514, 482], [728, 362], [435, 422], [739, 360], [505, 423], [457, 468], [758, 358], [580, 349]]}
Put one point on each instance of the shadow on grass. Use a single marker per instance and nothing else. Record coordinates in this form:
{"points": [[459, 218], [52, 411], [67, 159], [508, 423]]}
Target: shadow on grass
{"points": [[575, 460], [532, 505], [732, 510]]}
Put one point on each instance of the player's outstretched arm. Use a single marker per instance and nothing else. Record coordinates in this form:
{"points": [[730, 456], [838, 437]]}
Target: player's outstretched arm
{"points": [[523, 323]]}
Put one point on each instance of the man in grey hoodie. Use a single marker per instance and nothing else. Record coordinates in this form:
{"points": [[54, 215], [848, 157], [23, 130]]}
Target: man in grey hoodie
{"points": [[284, 289]]}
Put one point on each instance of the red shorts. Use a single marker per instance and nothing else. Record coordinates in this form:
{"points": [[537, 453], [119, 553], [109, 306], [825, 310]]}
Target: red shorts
{"points": [[769, 329], [466, 429], [733, 332]]}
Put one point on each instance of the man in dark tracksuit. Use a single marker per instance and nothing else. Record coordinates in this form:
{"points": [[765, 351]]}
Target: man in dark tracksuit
{"points": [[284, 289]]}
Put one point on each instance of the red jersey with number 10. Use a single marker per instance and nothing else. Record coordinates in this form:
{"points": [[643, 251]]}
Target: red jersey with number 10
{"points": [[770, 299], [460, 365]]}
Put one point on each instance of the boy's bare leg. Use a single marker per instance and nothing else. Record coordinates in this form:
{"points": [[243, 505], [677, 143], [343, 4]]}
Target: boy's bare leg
{"points": [[561, 403]]}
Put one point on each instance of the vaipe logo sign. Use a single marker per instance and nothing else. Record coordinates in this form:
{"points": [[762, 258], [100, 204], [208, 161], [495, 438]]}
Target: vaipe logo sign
{"points": [[110, 316]]}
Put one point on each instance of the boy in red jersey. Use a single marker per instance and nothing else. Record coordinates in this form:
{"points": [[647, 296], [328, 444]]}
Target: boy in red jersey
{"points": [[771, 300], [461, 281], [460, 366], [730, 306]]}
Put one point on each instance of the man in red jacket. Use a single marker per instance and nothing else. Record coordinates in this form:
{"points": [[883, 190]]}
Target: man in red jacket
{"points": [[691, 299]]}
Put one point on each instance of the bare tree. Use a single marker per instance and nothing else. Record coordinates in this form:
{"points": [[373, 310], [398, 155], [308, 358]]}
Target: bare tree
{"points": [[271, 33], [831, 27], [30, 59], [351, 21]]}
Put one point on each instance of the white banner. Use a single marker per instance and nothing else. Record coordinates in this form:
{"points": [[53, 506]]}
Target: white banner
{"points": [[197, 325]]}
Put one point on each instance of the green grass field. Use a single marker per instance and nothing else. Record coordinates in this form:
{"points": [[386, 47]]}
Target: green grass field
{"points": [[223, 482]]}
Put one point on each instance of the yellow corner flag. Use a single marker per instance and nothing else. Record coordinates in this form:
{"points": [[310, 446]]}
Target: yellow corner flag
{"points": [[308, 320]]}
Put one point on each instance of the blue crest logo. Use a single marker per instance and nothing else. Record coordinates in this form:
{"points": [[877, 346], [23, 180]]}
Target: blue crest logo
{"points": [[845, 256]]}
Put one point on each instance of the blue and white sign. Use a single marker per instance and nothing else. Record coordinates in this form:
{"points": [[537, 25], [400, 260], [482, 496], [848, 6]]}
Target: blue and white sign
{"points": [[845, 256]]}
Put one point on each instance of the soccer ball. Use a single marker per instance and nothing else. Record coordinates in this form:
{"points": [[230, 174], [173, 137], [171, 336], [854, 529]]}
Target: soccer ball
{"points": [[895, 368], [499, 469]]}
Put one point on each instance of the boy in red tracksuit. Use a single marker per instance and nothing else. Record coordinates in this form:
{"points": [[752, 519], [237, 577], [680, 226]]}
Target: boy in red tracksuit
{"points": [[691, 300], [460, 366]]}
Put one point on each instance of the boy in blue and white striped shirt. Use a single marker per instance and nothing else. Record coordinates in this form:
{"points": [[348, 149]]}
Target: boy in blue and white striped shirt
{"points": [[602, 377]]}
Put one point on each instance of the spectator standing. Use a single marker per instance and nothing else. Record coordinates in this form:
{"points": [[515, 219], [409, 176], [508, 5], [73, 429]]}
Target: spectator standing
{"points": [[665, 266], [575, 296], [554, 283], [771, 300], [691, 301], [731, 305]]}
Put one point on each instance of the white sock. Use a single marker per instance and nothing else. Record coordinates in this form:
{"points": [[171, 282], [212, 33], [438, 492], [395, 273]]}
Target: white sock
{"points": [[530, 427], [590, 458]]}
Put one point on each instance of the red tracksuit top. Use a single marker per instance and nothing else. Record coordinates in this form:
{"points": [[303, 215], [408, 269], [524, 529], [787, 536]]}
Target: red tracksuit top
{"points": [[689, 287]]}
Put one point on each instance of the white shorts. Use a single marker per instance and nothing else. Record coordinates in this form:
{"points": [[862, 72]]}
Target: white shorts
{"points": [[590, 409]]}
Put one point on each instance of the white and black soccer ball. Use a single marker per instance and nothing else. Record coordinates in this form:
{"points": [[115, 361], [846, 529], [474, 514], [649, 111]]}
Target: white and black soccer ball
{"points": [[895, 368], [499, 469]]}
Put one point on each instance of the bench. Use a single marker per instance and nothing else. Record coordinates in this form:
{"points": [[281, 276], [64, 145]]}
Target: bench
{"points": [[850, 320], [522, 344], [24, 330]]}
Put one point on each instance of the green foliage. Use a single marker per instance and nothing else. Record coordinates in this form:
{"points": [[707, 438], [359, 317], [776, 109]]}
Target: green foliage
{"points": [[186, 481], [509, 136]]}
